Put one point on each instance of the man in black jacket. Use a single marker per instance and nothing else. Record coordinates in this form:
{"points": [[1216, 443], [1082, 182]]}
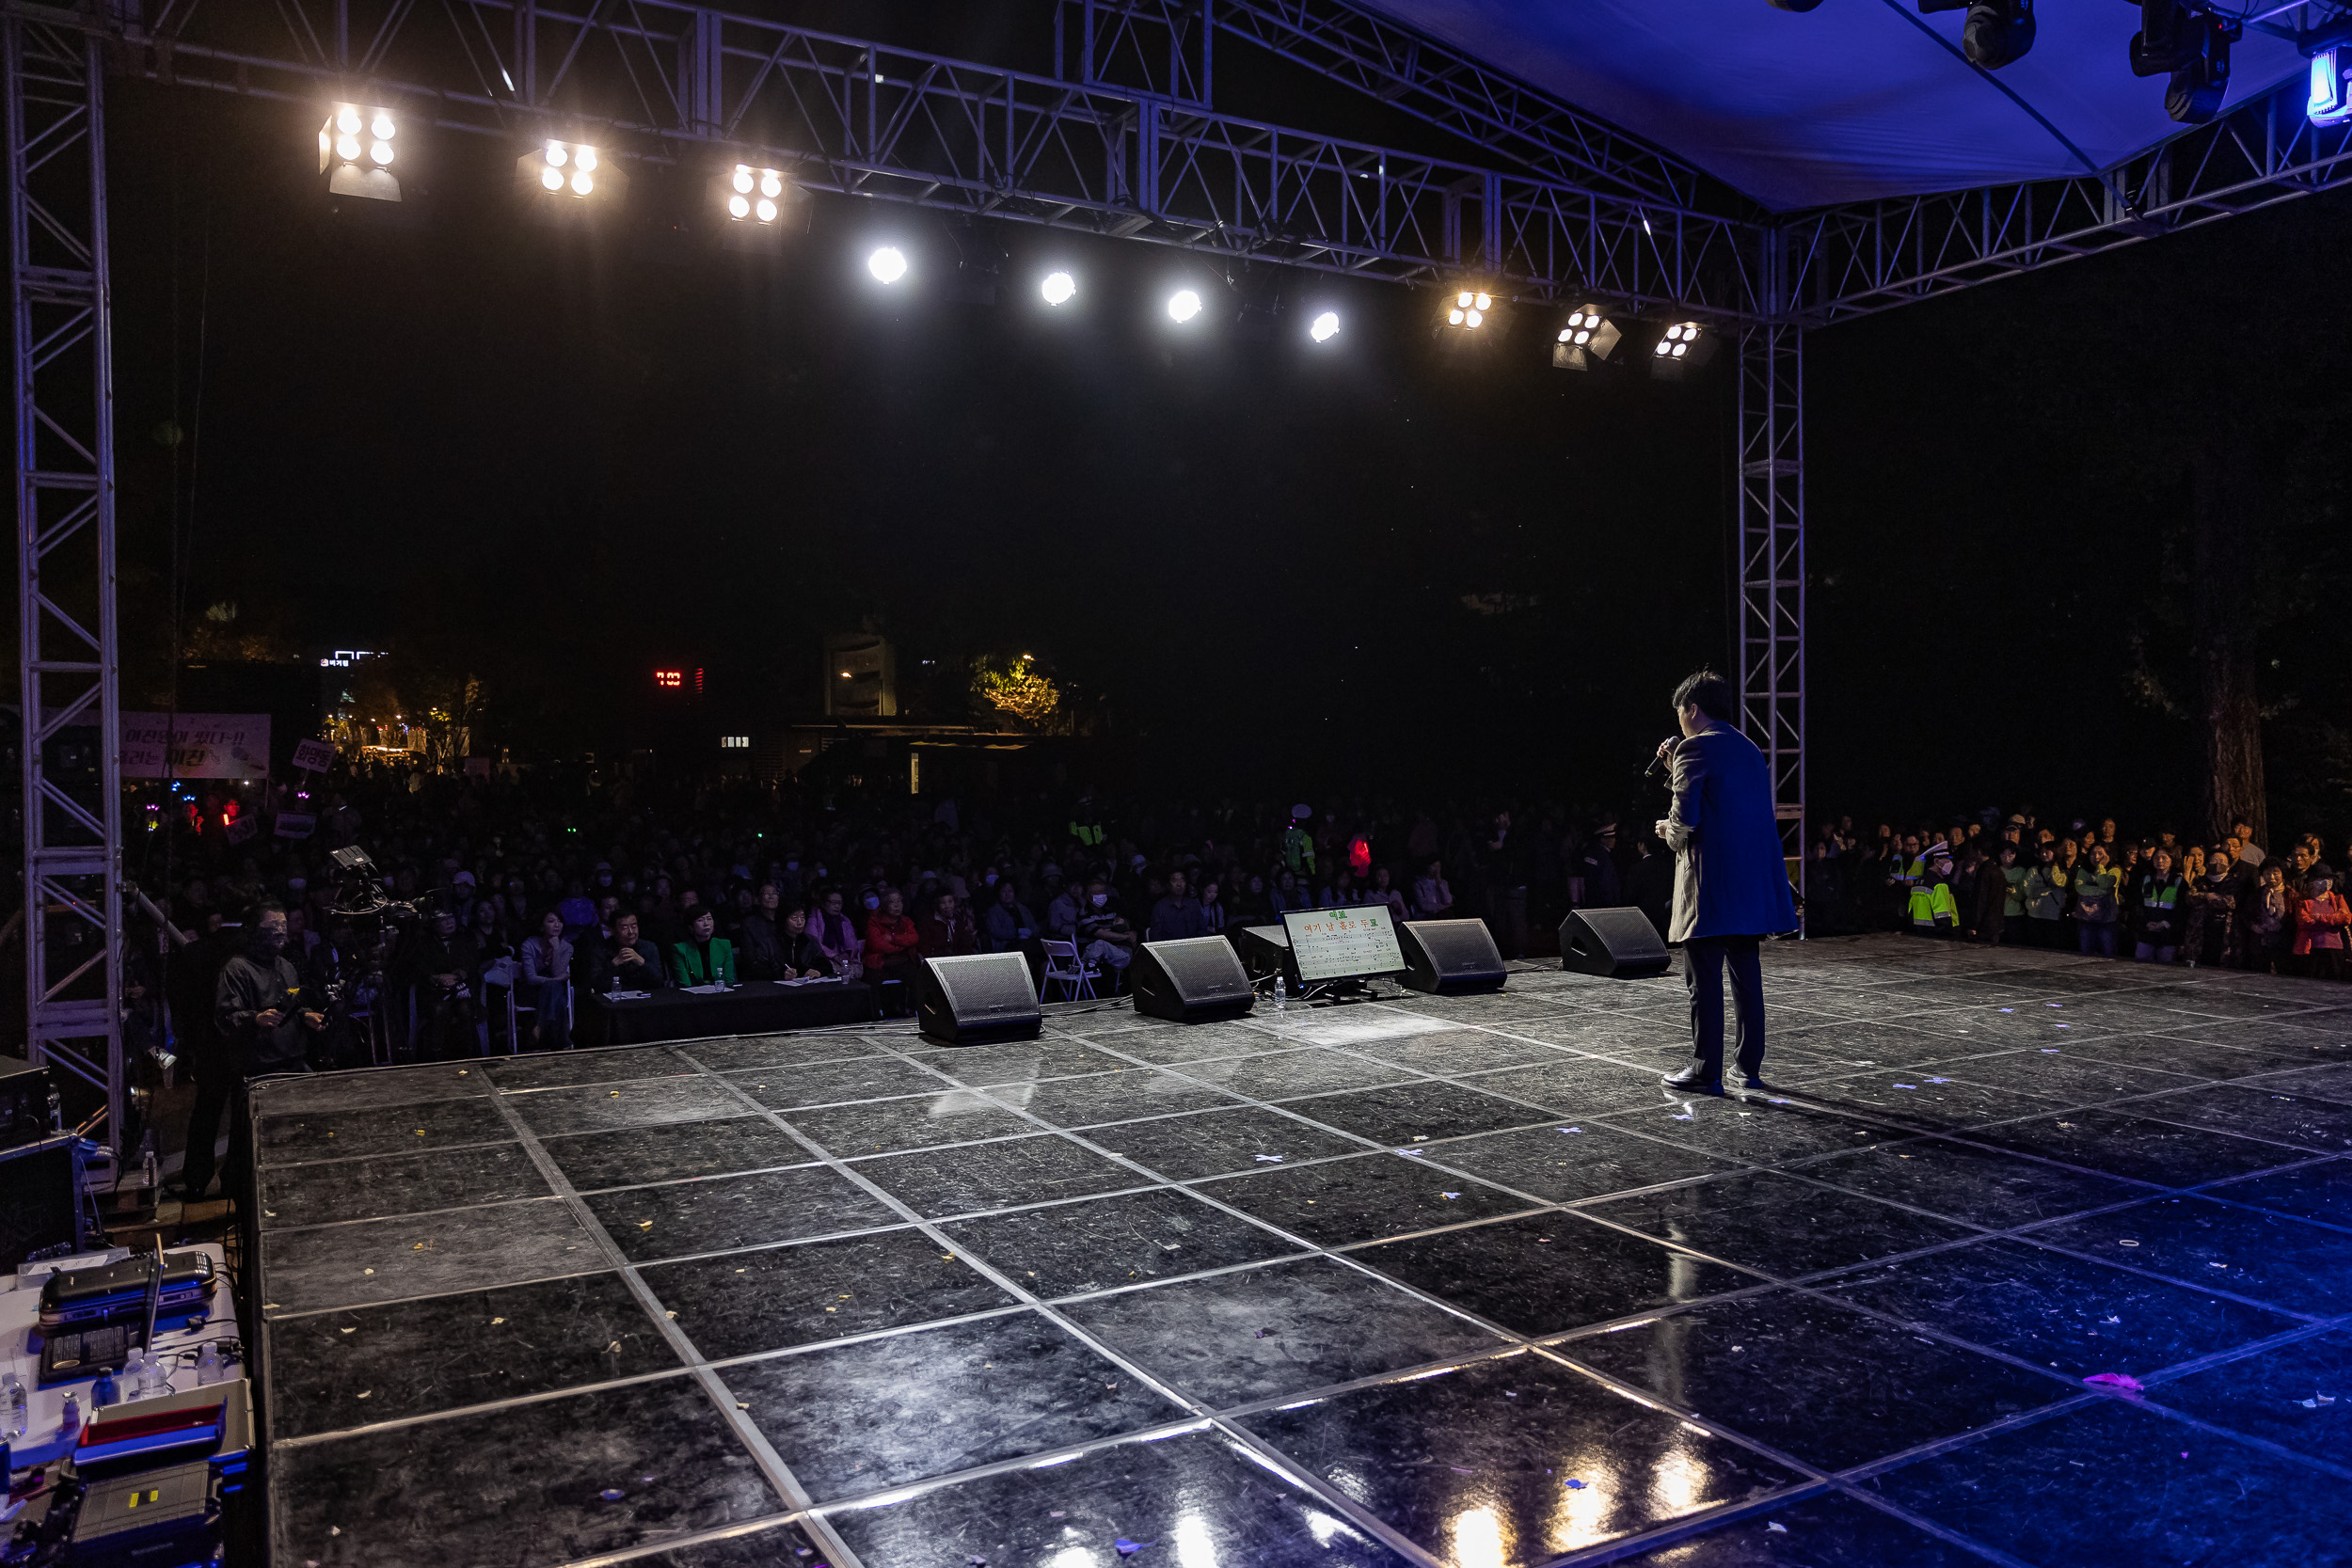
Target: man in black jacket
{"points": [[628, 962], [257, 1010], [445, 964]]}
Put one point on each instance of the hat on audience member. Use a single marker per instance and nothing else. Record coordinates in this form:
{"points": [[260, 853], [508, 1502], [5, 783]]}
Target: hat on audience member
{"points": [[464, 879]]}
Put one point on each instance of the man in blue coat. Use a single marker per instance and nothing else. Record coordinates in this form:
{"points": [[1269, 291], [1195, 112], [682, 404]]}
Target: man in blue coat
{"points": [[1731, 885]]}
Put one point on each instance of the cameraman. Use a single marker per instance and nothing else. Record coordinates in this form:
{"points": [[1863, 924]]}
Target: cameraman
{"points": [[260, 1029]]}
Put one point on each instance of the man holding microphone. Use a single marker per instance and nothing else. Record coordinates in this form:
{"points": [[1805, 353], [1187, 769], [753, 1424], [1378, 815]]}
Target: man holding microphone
{"points": [[1731, 884]]}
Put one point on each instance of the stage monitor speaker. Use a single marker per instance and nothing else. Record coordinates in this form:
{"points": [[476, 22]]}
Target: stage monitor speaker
{"points": [[1266, 951], [1620, 943], [978, 999], [1451, 957], [1194, 980]]}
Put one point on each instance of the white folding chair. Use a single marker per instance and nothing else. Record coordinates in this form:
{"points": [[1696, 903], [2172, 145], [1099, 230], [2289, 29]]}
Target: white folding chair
{"points": [[1065, 967]]}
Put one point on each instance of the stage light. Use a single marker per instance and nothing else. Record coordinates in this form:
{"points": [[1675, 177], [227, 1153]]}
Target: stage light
{"points": [[1998, 32], [1059, 288], [341, 152], [1327, 327], [1468, 309], [738, 207], [888, 264], [2192, 47], [1684, 346], [743, 180], [566, 175], [1587, 335], [2331, 86], [767, 210], [1183, 304]]}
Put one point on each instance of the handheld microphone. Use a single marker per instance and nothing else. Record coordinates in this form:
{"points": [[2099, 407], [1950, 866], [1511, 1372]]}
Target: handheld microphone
{"points": [[1658, 764]]}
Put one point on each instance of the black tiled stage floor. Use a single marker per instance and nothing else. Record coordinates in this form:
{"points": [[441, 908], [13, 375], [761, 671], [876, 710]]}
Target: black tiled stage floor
{"points": [[1428, 1281]]}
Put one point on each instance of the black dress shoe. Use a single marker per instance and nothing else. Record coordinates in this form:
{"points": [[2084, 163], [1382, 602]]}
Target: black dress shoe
{"points": [[1695, 1076], [1753, 1080]]}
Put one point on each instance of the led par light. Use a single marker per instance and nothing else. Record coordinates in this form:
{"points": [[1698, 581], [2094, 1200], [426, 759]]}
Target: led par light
{"points": [[754, 207], [1683, 347], [357, 147], [1470, 310], [564, 177], [2330, 101], [1584, 337]]}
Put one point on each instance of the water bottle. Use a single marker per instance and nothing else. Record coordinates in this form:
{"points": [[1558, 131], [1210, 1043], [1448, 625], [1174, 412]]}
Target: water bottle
{"points": [[208, 1365], [150, 1172], [71, 1424], [134, 1377], [15, 1408], [159, 1367], [105, 1391], [1282, 994]]}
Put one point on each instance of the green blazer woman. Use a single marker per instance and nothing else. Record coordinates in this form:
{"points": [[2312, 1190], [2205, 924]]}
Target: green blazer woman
{"points": [[703, 958]]}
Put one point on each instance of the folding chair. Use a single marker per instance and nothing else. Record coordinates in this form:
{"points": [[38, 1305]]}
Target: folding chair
{"points": [[1065, 967]]}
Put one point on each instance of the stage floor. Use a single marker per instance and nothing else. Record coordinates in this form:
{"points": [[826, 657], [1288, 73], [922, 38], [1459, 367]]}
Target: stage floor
{"points": [[1433, 1280]]}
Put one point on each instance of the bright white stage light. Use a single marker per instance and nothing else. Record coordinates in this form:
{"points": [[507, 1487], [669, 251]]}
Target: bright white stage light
{"points": [[1453, 317], [766, 211], [381, 154], [558, 155], [738, 207], [382, 128], [1468, 309], [1059, 288], [1183, 304], [355, 151], [585, 158], [888, 264], [1327, 327], [552, 179], [347, 120], [1476, 318], [771, 183], [1678, 341], [347, 149], [744, 180], [582, 184]]}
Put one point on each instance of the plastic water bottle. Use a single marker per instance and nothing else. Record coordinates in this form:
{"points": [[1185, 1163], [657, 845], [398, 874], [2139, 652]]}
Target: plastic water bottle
{"points": [[1282, 994], [105, 1391], [208, 1368], [15, 1407], [134, 1377]]}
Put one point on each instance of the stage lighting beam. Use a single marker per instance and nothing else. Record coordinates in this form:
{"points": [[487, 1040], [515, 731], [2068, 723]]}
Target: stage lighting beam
{"points": [[355, 167], [2330, 101], [562, 176], [888, 264], [1058, 288], [1326, 327], [1183, 306]]}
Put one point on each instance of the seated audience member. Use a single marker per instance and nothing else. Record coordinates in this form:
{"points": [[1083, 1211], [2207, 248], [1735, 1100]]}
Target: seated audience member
{"points": [[446, 961], [760, 936], [1211, 909], [546, 980], [704, 958], [803, 956], [838, 936], [1105, 938], [494, 966], [946, 930], [1064, 914], [891, 942], [2320, 920], [1384, 892], [1177, 915], [1287, 895], [1007, 927], [628, 962], [1433, 896]]}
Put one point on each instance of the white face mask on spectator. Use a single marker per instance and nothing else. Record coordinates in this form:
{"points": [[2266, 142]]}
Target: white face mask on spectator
{"points": [[1098, 900], [873, 902]]}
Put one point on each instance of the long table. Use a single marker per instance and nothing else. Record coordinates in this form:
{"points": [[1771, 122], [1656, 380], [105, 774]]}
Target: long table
{"points": [[754, 1007]]}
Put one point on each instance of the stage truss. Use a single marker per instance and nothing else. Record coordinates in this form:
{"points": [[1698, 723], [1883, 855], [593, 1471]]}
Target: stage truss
{"points": [[1121, 138]]}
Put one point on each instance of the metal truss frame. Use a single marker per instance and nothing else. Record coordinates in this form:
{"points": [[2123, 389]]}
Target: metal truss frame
{"points": [[1771, 566], [60, 304]]}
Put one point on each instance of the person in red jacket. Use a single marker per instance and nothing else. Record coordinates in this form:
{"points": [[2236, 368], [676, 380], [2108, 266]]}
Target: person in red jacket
{"points": [[946, 930], [2320, 920], [891, 942]]}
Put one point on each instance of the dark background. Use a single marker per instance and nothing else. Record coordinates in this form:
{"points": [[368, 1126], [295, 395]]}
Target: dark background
{"points": [[552, 461]]}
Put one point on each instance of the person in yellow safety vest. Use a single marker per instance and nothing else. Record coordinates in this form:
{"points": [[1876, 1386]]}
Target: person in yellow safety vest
{"points": [[1086, 824], [1298, 844], [2046, 889], [1905, 868], [1934, 911]]}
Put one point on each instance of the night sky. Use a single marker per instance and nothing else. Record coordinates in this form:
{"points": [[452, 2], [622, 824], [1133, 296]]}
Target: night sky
{"points": [[559, 459]]}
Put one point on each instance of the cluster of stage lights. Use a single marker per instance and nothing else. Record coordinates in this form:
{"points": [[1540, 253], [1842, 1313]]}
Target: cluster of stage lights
{"points": [[342, 132], [887, 265], [1679, 341], [1468, 309], [569, 166]]}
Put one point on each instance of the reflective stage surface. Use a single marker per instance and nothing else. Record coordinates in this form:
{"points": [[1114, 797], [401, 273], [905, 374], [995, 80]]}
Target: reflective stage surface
{"points": [[1438, 1280]]}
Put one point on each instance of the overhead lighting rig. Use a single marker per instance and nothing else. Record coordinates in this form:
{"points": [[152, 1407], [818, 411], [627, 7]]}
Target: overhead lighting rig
{"points": [[357, 151], [1998, 32], [1683, 347], [2191, 47], [1585, 337], [755, 207], [561, 178]]}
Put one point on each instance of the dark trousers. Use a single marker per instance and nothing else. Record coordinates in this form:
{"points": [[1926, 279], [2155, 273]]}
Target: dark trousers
{"points": [[1703, 977], [218, 1090]]}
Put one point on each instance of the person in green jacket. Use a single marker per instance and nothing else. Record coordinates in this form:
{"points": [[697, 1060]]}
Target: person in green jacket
{"points": [[2045, 898], [2098, 910], [704, 956], [1934, 911]]}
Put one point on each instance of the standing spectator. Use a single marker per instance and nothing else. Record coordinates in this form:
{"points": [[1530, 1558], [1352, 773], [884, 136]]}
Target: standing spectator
{"points": [[494, 968], [2157, 940], [1994, 894], [260, 1023], [946, 930], [1935, 913], [2045, 899], [2097, 908], [2270, 931], [2212, 936], [548, 979], [1596, 866], [2249, 851], [2320, 920], [1506, 887]]}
